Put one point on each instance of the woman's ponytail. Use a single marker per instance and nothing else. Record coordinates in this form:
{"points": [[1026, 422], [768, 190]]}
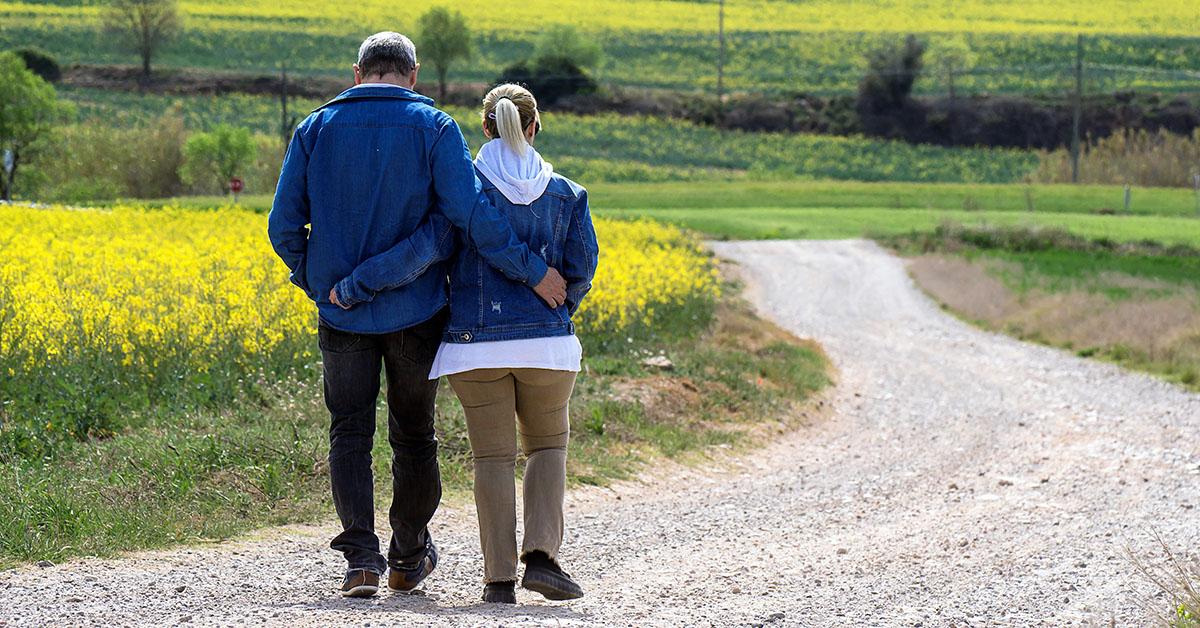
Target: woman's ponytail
{"points": [[508, 124], [508, 110]]}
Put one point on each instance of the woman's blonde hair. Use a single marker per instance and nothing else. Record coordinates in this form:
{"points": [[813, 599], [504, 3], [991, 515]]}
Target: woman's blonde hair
{"points": [[507, 111]]}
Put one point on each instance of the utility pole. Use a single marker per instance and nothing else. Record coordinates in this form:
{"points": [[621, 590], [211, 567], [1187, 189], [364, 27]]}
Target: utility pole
{"points": [[950, 81], [721, 55], [286, 122], [1078, 117]]}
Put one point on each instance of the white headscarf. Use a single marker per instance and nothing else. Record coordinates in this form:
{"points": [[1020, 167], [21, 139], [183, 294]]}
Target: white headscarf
{"points": [[521, 179]]}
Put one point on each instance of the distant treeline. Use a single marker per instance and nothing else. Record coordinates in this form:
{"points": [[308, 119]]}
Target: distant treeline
{"points": [[994, 121]]}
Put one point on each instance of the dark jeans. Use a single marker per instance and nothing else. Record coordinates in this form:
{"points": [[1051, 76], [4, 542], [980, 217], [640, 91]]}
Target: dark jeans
{"points": [[352, 367]]}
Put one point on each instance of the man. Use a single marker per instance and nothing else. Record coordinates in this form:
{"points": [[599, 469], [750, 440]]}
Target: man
{"points": [[375, 166]]}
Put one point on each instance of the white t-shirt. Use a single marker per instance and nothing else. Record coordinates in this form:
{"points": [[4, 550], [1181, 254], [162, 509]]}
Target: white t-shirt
{"points": [[522, 180], [556, 353]]}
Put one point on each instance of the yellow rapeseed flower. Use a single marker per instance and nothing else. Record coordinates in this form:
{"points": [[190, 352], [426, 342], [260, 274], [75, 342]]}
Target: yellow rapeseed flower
{"points": [[140, 288]]}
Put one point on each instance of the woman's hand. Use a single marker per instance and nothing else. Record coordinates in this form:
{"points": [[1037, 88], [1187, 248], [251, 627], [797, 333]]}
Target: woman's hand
{"points": [[333, 298]]}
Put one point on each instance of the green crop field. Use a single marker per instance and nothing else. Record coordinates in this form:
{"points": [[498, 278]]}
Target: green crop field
{"points": [[773, 44], [612, 147]]}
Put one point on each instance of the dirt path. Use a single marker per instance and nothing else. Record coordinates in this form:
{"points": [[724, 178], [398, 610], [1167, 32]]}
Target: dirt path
{"points": [[964, 479]]}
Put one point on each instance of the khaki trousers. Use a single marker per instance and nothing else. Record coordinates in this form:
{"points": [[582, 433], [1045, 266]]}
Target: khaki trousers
{"points": [[536, 401]]}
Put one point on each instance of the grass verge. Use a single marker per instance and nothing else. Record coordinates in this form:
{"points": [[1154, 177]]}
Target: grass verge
{"points": [[184, 477]]}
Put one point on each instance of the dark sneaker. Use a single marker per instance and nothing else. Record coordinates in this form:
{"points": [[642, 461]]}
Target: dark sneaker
{"points": [[544, 576], [404, 580], [500, 592], [360, 583]]}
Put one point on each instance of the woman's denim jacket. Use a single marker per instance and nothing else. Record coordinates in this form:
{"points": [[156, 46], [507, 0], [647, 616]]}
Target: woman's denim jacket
{"points": [[485, 305]]}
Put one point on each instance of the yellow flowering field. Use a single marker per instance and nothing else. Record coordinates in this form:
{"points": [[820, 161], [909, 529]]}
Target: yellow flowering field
{"points": [[649, 273], [817, 46], [1175, 17], [107, 312]]}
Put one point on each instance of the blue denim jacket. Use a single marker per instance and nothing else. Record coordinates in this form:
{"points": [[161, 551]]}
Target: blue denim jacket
{"points": [[484, 304], [372, 168]]}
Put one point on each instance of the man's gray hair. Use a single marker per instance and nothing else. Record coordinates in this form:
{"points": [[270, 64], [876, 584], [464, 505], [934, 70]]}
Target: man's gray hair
{"points": [[387, 53]]}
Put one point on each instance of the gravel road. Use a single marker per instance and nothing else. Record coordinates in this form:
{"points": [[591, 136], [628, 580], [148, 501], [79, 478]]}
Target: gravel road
{"points": [[961, 479]]}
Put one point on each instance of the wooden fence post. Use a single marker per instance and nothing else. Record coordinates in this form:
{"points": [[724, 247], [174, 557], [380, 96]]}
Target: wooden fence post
{"points": [[1196, 184]]}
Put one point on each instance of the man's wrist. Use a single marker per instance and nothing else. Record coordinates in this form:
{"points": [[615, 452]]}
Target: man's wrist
{"points": [[348, 293], [537, 270]]}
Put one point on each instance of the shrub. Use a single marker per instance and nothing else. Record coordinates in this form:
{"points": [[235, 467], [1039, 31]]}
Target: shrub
{"points": [[1160, 159], [550, 80], [98, 160], [40, 63], [212, 159], [565, 42]]}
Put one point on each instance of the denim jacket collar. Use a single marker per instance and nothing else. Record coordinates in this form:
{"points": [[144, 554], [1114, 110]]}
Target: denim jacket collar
{"points": [[372, 92]]}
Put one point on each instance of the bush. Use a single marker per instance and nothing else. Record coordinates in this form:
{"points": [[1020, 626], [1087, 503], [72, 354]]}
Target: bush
{"points": [[550, 80], [563, 41], [40, 63], [263, 175], [212, 159], [1142, 158], [98, 160]]}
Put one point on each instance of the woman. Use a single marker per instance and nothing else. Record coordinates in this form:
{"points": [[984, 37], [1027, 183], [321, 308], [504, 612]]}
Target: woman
{"points": [[511, 359]]}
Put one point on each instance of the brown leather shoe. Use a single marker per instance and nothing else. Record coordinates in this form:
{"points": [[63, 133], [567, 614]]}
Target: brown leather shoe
{"points": [[406, 580], [360, 583]]}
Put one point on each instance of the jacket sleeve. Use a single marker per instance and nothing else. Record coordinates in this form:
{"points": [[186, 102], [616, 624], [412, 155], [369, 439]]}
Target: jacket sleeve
{"points": [[460, 198], [432, 242], [288, 222], [581, 254]]}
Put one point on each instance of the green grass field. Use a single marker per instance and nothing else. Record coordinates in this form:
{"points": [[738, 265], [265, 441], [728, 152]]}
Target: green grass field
{"points": [[844, 209], [1060, 271], [836, 209], [773, 44]]}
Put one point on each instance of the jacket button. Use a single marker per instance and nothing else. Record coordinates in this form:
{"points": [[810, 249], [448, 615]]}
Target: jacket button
{"points": [[466, 337]]}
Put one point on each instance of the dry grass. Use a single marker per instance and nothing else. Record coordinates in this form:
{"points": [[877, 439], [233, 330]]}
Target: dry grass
{"points": [[1161, 159], [1178, 578], [1157, 329], [678, 399], [965, 287]]}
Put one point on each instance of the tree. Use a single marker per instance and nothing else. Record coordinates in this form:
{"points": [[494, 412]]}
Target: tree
{"points": [[29, 111], [550, 79], [143, 26], [885, 105], [444, 39], [563, 41], [219, 155], [952, 55]]}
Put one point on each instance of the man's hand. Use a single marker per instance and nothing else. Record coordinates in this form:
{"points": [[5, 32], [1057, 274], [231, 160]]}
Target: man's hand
{"points": [[552, 288]]}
